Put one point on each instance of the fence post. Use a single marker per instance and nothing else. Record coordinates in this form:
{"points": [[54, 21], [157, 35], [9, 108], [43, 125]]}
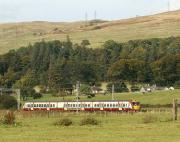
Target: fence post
{"points": [[174, 109]]}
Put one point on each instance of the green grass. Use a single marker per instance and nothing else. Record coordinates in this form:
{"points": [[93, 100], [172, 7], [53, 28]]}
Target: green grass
{"points": [[158, 97], [113, 127], [155, 26]]}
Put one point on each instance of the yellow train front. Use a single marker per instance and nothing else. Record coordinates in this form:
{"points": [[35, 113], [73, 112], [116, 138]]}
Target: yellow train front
{"points": [[136, 106]]}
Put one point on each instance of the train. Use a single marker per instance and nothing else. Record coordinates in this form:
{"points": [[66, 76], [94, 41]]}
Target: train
{"points": [[117, 105]]}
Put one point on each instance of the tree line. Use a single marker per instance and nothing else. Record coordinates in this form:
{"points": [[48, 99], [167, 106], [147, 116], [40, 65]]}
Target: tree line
{"points": [[57, 65]]}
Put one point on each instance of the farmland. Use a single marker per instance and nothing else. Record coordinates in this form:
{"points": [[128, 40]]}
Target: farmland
{"points": [[15, 35], [143, 126], [113, 127]]}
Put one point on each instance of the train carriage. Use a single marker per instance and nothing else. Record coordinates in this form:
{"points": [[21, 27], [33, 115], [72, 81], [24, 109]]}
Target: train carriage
{"points": [[82, 105]]}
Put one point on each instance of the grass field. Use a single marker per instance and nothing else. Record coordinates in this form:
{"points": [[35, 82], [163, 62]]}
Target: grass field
{"points": [[116, 127], [15, 35], [158, 97], [112, 128]]}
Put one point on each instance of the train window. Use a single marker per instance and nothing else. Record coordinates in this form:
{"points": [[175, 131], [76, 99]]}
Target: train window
{"points": [[44, 105], [73, 105], [94, 105], [110, 105], [85, 105], [104, 105], [135, 103], [28, 105], [113, 105], [116, 105], [88, 105], [107, 105]]}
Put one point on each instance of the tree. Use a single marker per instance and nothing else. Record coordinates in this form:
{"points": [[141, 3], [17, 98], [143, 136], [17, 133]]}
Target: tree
{"points": [[118, 87], [85, 43], [126, 69]]}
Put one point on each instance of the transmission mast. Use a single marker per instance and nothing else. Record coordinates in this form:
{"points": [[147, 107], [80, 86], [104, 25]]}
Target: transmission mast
{"points": [[169, 6], [86, 19]]}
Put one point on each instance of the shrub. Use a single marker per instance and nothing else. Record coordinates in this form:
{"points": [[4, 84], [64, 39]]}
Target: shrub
{"points": [[149, 119], [64, 122], [9, 118], [8, 102], [37, 95], [91, 95], [89, 121]]}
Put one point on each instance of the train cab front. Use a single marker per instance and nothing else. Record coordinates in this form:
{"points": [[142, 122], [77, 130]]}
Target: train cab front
{"points": [[136, 106]]}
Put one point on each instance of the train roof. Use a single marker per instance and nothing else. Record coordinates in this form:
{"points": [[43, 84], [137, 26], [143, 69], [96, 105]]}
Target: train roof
{"points": [[86, 101]]}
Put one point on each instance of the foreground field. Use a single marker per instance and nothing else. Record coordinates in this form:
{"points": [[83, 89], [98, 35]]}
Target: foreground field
{"points": [[155, 98], [113, 127], [15, 35]]}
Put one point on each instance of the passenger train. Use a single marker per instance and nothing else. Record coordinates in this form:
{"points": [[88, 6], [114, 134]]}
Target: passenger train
{"points": [[82, 106]]}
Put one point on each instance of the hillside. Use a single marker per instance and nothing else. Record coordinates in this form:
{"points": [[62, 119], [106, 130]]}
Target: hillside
{"points": [[14, 35]]}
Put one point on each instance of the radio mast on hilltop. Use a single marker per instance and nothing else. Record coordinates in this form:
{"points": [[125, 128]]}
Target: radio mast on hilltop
{"points": [[95, 15], [169, 8], [86, 19]]}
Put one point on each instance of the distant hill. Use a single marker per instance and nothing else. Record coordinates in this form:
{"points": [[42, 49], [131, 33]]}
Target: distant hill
{"points": [[14, 35]]}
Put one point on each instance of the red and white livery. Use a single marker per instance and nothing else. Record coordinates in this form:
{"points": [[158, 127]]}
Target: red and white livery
{"points": [[82, 106]]}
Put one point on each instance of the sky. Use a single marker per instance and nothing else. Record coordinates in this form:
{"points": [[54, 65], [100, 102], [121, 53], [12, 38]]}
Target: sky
{"points": [[74, 10]]}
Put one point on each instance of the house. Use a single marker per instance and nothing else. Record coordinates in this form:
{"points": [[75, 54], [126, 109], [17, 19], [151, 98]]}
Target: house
{"points": [[96, 90], [145, 90], [171, 88]]}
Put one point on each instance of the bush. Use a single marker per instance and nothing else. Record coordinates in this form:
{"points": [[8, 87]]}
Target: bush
{"points": [[8, 102], [89, 121], [64, 122], [149, 119], [37, 95], [91, 95], [9, 118]]}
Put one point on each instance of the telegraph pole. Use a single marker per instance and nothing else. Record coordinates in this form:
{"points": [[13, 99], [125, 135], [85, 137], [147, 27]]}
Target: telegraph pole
{"points": [[77, 96], [18, 98], [112, 92]]}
